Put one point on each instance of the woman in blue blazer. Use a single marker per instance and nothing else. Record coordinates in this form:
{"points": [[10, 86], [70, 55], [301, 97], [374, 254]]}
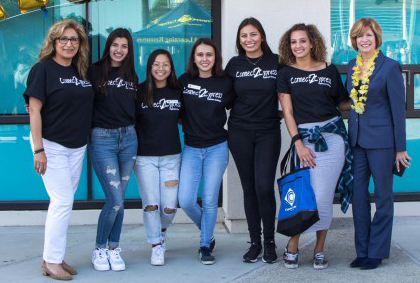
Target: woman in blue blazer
{"points": [[378, 140]]}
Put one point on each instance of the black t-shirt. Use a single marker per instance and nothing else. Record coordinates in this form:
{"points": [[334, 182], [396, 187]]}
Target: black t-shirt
{"points": [[67, 102], [157, 127], [204, 103], [315, 94], [256, 103], [117, 107]]}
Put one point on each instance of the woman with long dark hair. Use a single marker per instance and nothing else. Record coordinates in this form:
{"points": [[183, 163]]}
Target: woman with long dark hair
{"points": [[113, 141], [254, 133], [60, 112], [159, 150], [206, 95]]}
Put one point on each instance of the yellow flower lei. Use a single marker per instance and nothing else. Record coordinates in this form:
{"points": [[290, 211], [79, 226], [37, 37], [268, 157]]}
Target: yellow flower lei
{"points": [[359, 101]]}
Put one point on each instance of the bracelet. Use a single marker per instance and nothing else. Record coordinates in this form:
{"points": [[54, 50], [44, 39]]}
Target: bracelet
{"points": [[295, 138], [38, 150]]}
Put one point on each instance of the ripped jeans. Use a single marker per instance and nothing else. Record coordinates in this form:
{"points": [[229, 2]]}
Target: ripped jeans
{"points": [[113, 154], [157, 179]]}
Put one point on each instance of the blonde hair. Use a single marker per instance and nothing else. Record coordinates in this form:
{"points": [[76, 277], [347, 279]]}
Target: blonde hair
{"points": [[358, 28], [81, 59], [318, 50]]}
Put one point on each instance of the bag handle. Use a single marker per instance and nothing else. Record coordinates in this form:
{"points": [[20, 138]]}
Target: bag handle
{"points": [[288, 156]]}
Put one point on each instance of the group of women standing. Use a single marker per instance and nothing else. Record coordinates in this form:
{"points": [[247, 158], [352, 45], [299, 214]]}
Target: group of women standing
{"points": [[128, 125]]}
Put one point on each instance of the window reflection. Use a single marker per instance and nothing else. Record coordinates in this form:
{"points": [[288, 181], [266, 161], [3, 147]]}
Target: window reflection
{"points": [[417, 91], [399, 20], [21, 37]]}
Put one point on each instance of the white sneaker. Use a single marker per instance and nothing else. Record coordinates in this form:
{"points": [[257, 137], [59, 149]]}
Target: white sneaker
{"points": [[158, 255], [163, 241], [115, 260], [100, 259]]}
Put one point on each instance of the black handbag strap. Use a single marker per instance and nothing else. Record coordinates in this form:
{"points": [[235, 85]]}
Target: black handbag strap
{"points": [[288, 157]]}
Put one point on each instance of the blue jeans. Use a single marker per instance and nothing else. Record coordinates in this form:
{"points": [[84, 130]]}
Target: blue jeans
{"points": [[208, 163], [157, 179], [113, 153]]}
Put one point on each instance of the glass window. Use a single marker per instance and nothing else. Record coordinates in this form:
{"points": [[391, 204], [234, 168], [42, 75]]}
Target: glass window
{"points": [[409, 182], [399, 20], [21, 37], [22, 183], [173, 25], [417, 91]]}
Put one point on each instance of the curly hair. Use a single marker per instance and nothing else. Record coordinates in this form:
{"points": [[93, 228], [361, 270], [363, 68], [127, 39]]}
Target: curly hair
{"points": [[318, 51], [81, 59]]}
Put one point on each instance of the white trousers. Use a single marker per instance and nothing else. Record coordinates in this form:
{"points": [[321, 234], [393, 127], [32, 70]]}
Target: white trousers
{"points": [[61, 178]]}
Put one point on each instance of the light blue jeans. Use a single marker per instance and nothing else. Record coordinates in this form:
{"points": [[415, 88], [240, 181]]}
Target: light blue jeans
{"points": [[157, 179], [208, 164], [113, 153]]}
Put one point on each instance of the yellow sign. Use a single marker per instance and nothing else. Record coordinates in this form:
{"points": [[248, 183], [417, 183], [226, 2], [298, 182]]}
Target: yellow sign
{"points": [[28, 5], [184, 20], [2, 13]]}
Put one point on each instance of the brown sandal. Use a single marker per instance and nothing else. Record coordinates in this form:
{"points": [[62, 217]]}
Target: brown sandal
{"points": [[60, 274]]}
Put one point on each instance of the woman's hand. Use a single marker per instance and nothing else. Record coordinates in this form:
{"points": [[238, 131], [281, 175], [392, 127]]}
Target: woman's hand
{"points": [[306, 156], [403, 158], [40, 163]]}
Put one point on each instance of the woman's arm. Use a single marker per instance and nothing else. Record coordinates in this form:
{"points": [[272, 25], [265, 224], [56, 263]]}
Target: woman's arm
{"points": [[306, 156], [344, 105], [396, 95], [40, 159]]}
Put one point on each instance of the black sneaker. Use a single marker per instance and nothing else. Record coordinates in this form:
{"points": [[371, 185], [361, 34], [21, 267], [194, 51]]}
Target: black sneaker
{"points": [[253, 253], [204, 254], [319, 261], [291, 260], [212, 244], [270, 255]]}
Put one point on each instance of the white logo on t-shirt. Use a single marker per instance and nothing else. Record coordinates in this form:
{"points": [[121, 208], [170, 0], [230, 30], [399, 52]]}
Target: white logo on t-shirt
{"points": [[75, 81], [171, 104], [118, 82], [205, 94], [258, 72], [312, 78]]}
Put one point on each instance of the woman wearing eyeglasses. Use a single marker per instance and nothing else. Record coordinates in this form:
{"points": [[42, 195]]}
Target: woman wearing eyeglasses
{"points": [[60, 111], [159, 149]]}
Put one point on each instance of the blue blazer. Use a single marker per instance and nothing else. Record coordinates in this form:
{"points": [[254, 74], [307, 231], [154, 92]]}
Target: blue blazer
{"points": [[382, 125]]}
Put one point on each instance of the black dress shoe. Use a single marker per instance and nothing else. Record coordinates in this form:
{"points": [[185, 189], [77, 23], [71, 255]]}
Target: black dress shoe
{"points": [[358, 262], [371, 263]]}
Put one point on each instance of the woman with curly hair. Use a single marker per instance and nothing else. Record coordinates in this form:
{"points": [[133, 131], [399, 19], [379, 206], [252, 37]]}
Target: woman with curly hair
{"points": [[60, 112], [310, 91]]}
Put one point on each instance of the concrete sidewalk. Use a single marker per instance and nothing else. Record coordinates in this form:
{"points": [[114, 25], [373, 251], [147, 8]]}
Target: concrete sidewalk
{"points": [[21, 257]]}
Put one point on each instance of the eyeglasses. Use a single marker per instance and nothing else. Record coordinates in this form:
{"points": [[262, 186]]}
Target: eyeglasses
{"points": [[64, 40], [164, 65]]}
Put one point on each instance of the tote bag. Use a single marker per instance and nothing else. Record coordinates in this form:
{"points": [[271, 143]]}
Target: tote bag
{"points": [[298, 210]]}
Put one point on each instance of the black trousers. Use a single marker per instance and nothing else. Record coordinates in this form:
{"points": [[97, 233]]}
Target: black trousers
{"points": [[256, 154]]}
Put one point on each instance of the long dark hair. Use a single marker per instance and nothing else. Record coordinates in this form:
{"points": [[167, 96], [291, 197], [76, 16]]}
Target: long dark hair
{"points": [[192, 69], [255, 23], [150, 86], [127, 70]]}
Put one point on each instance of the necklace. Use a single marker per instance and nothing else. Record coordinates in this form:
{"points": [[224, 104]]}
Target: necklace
{"points": [[359, 97], [254, 63]]}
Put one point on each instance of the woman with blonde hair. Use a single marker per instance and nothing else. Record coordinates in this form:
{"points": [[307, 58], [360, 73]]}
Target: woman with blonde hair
{"points": [[60, 110], [378, 141], [310, 91]]}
